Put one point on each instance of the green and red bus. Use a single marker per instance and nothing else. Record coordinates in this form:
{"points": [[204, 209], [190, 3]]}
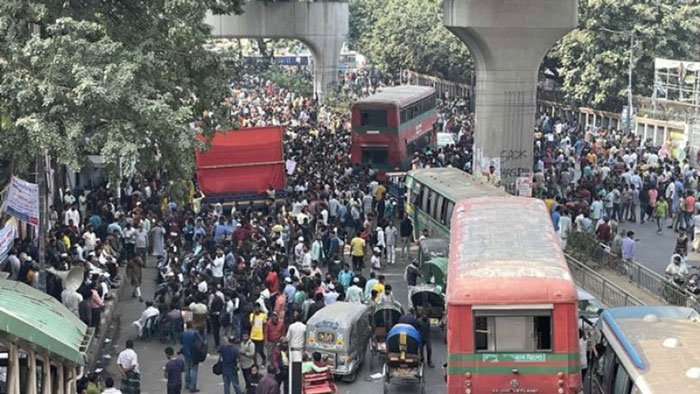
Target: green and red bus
{"points": [[511, 301], [389, 126]]}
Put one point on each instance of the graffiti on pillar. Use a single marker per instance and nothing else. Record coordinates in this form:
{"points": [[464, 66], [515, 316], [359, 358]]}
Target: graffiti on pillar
{"points": [[513, 154], [490, 169], [516, 172]]}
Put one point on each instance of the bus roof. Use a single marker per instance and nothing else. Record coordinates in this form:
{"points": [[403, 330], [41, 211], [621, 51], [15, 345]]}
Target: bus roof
{"points": [[662, 343], [398, 95], [503, 251], [455, 184]]}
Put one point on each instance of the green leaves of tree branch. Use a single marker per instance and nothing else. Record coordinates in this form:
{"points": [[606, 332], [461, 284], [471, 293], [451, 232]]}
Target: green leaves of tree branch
{"points": [[407, 34], [593, 63], [122, 79]]}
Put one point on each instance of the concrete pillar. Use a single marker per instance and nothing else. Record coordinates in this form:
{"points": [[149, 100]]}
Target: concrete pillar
{"points": [[47, 386], [31, 372], [507, 40], [326, 54], [646, 127], [13, 386], [61, 381], [322, 26]]}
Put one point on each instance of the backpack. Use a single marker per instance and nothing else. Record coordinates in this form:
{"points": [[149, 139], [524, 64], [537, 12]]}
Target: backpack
{"points": [[405, 274], [225, 319], [217, 304], [199, 350]]}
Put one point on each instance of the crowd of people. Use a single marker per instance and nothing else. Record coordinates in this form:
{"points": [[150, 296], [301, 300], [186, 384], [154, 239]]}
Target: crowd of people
{"points": [[242, 279], [239, 280]]}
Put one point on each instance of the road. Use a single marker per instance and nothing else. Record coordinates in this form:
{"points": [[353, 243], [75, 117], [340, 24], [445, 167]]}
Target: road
{"points": [[653, 250], [152, 359]]}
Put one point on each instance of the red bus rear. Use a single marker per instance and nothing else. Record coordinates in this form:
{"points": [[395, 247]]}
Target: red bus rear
{"points": [[511, 301], [388, 127]]}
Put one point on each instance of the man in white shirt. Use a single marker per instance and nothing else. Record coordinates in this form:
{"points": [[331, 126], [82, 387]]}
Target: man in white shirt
{"points": [[128, 363], [354, 293], [72, 214], [109, 387], [390, 233], [71, 300], [217, 267], [296, 334], [330, 296], [150, 312]]}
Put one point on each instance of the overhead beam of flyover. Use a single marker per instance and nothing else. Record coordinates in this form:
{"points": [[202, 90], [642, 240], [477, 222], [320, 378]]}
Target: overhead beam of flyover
{"points": [[321, 26]]}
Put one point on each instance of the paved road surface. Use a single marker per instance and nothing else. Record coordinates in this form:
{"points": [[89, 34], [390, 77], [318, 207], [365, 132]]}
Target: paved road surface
{"points": [[152, 359], [653, 250]]}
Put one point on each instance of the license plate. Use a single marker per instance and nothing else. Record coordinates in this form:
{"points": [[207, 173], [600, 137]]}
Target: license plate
{"points": [[434, 322]]}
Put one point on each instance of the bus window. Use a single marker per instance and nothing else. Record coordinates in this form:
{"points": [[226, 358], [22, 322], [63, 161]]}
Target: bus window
{"points": [[497, 332], [441, 209], [416, 194], [373, 118], [622, 382], [433, 205], [375, 156], [448, 215], [424, 200]]}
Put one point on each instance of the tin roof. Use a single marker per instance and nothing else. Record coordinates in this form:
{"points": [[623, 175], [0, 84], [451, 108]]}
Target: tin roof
{"points": [[398, 95], [37, 318]]}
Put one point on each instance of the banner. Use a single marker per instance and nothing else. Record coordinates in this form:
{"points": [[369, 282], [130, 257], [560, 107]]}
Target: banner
{"points": [[7, 238], [23, 201], [242, 161]]}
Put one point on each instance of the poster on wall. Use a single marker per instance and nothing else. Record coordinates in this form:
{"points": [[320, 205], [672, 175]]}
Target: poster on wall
{"points": [[7, 239], [524, 185], [490, 169], [23, 201]]}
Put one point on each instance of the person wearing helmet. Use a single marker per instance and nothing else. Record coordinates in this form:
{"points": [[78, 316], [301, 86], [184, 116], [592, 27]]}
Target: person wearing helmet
{"points": [[677, 270]]}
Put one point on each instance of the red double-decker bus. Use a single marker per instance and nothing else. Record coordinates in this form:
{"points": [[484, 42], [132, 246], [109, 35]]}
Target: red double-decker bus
{"points": [[389, 126], [511, 301]]}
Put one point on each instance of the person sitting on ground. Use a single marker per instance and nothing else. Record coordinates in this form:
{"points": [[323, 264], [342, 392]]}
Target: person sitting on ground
{"points": [[316, 365]]}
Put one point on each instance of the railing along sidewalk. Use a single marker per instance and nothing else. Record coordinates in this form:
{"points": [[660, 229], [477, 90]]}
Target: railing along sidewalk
{"points": [[603, 289], [591, 252]]}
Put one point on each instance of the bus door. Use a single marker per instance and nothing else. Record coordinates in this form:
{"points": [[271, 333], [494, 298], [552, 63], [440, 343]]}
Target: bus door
{"points": [[376, 156]]}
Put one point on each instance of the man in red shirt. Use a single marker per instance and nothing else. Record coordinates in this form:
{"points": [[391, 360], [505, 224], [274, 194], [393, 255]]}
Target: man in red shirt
{"points": [[274, 331], [604, 231], [689, 208], [272, 280]]}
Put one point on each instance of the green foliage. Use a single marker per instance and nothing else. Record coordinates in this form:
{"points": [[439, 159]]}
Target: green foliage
{"points": [[593, 63], [119, 78], [296, 83], [407, 34]]}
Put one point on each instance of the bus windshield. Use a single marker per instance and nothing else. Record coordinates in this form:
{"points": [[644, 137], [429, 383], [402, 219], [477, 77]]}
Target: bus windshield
{"points": [[525, 332], [373, 118]]}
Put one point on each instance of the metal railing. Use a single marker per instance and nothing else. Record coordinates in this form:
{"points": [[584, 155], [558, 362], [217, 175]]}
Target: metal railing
{"points": [[590, 252], [603, 289]]}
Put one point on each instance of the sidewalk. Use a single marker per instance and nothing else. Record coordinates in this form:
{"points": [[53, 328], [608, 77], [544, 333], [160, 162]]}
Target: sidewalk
{"points": [[628, 286]]}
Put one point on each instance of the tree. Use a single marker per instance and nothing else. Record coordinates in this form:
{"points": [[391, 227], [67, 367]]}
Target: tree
{"points": [[593, 62], [407, 34], [124, 79]]}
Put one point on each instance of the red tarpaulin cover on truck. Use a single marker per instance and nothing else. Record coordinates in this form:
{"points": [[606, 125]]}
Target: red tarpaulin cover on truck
{"points": [[243, 160]]}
